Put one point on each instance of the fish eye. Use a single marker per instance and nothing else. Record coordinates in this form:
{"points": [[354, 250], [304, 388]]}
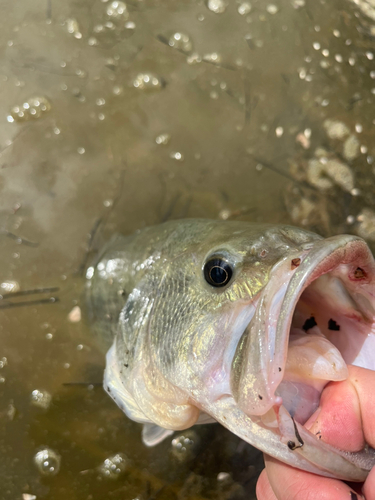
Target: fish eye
{"points": [[217, 272]]}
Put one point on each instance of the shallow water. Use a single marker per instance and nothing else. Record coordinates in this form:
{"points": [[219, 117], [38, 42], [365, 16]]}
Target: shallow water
{"points": [[112, 119]]}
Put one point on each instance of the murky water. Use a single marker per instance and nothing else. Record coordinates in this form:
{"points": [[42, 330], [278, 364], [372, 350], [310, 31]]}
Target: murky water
{"points": [[116, 116]]}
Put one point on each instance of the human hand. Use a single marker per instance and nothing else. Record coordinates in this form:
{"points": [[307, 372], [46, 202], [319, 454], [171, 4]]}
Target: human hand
{"points": [[346, 420]]}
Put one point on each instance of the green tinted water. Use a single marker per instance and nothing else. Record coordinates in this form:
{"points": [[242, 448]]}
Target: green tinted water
{"points": [[113, 118]]}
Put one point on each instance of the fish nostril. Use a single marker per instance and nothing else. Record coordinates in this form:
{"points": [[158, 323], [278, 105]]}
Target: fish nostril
{"points": [[360, 274]]}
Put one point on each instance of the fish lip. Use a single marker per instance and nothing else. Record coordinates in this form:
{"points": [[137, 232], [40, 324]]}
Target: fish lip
{"points": [[261, 355]]}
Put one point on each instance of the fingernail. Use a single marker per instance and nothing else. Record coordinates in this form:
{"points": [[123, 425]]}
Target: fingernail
{"points": [[313, 420], [355, 496]]}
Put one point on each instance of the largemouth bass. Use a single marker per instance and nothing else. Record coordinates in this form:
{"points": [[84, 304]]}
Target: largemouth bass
{"points": [[239, 323]]}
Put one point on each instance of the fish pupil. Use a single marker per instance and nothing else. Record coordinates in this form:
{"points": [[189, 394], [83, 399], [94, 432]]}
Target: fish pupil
{"points": [[217, 272]]}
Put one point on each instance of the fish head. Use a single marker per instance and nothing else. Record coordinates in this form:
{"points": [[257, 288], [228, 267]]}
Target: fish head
{"points": [[246, 323]]}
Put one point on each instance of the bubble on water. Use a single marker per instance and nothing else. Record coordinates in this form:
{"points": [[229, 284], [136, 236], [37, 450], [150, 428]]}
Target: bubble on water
{"points": [[100, 101], [75, 315], [351, 61], [41, 399], [336, 33], [244, 8], [9, 287], [358, 128], [224, 476], [33, 108], [3, 362], [118, 10], [297, 4], [176, 155], [272, 9], [350, 219], [225, 214], [163, 139], [47, 462], [370, 55], [147, 81], [339, 58], [81, 151], [363, 149], [316, 45], [351, 148], [194, 58], [114, 466], [186, 446], [279, 131], [325, 52], [118, 89], [130, 25], [366, 227], [73, 28], [180, 41], [28, 496], [217, 6], [90, 272], [92, 41], [212, 57]]}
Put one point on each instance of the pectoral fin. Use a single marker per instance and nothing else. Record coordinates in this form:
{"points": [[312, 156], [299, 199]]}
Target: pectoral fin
{"points": [[153, 434]]}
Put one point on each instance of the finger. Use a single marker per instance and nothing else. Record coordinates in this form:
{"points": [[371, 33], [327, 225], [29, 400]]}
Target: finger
{"points": [[264, 490], [364, 382], [338, 419], [294, 484], [369, 486]]}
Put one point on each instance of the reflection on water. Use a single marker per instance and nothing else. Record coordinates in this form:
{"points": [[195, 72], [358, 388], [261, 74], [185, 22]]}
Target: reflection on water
{"points": [[119, 115]]}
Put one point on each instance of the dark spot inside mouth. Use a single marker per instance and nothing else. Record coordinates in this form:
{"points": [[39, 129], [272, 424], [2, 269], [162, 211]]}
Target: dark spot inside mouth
{"points": [[353, 496], [126, 365], [108, 389], [359, 273], [309, 323], [291, 445], [279, 369], [332, 325], [295, 263], [260, 397]]}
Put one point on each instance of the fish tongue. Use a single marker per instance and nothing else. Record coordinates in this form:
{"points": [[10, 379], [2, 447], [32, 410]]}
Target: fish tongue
{"points": [[312, 361], [312, 357]]}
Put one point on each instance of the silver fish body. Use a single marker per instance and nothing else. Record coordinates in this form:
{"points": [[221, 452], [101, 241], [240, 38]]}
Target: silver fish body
{"points": [[238, 323]]}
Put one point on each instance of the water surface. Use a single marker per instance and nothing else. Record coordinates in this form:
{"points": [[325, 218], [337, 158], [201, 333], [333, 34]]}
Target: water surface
{"points": [[114, 117]]}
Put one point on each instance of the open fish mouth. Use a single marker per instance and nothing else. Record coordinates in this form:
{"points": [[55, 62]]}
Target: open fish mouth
{"points": [[314, 317]]}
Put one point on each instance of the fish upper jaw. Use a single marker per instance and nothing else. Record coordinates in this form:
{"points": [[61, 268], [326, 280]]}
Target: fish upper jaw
{"points": [[330, 282]]}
